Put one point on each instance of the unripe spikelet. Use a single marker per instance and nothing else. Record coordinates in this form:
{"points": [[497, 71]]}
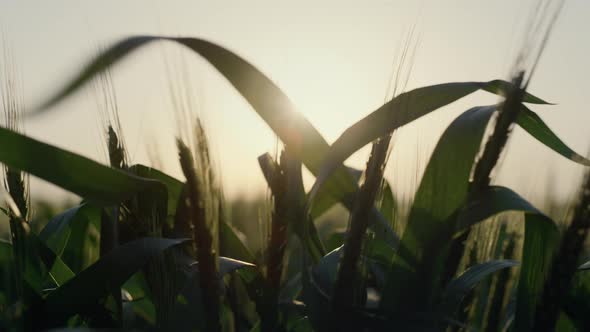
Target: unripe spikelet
{"points": [[349, 288], [206, 253], [15, 181]]}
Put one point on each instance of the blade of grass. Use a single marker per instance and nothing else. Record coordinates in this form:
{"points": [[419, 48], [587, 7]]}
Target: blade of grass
{"points": [[89, 179], [95, 282], [458, 288]]}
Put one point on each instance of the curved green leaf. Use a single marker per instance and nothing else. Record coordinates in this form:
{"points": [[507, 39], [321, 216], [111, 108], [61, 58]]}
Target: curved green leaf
{"points": [[39, 260], [500, 87], [73, 235], [495, 200], [443, 189], [540, 242], [534, 125], [401, 110], [42, 267], [80, 175], [541, 239], [458, 288], [95, 282], [55, 234]]}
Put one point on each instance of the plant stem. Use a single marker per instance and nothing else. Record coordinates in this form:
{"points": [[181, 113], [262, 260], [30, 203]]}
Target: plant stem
{"points": [[346, 286]]}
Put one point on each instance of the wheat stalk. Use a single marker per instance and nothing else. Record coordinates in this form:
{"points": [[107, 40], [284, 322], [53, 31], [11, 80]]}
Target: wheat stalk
{"points": [[206, 254]]}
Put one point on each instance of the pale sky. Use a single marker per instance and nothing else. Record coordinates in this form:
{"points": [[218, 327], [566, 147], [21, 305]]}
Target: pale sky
{"points": [[333, 58]]}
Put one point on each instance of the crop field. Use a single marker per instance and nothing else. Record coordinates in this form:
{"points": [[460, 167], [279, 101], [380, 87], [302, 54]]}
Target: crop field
{"points": [[143, 250]]}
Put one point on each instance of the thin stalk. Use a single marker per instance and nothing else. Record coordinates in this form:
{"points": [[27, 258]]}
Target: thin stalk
{"points": [[485, 164], [346, 287], [109, 235], [109, 238], [16, 187], [206, 256], [15, 181], [277, 180]]}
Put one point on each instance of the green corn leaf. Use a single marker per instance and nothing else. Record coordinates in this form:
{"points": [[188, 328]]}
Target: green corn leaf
{"points": [[80, 175], [60, 272], [532, 124], [57, 231], [73, 235], [38, 261], [496, 199], [500, 87], [458, 288], [541, 238], [42, 269], [95, 282], [443, 189], [401, 110], [540, 243]]}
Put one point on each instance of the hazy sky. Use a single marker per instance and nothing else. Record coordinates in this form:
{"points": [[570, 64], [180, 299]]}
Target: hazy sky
{"points": [[333, 58]]}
